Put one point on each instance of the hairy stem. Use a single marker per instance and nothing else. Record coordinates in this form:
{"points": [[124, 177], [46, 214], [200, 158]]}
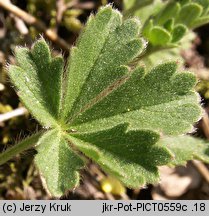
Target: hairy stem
{"points": [[18, 148]]}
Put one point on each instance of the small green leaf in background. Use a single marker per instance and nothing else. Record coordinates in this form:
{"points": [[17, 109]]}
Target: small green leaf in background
{"points": [[186, 148], [169, 25], [159, 36], [169, 12], [189, 13], [204, 4], [111, 113], [178, 32]]}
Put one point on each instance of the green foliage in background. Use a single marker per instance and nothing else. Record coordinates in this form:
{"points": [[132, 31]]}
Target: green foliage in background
{"points": [[167, 24], [172, 22]]}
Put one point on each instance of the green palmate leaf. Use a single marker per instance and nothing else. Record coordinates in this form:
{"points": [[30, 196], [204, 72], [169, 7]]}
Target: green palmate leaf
{"points": [[160, 100], [168, 54], [57, 163], [186, 148], [111, 113], [38, 81], [169, 25], [131, 156], [184, 2], [103, 48]]}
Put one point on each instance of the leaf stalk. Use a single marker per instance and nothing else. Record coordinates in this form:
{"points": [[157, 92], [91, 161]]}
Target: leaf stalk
{"points": [[21, 146]]}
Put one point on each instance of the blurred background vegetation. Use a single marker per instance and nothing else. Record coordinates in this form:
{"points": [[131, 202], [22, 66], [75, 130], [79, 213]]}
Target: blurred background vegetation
{"points": [[65, 19]]}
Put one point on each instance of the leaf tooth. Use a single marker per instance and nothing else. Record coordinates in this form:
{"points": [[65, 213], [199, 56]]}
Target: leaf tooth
{"points": [[140, 71], [41, 52], [130, 29], [183, 82], [136, 47], [162, 72]]}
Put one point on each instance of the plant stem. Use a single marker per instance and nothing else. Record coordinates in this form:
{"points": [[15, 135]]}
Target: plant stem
{"points": [[20, 147], [153, 49], [149, 51]]}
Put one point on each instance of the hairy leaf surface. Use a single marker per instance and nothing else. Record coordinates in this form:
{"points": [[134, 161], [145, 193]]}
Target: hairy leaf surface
{"points": [[161, 99], [105, 46], [173, 21], [38, 79], [57, 163], [131, 156]]}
